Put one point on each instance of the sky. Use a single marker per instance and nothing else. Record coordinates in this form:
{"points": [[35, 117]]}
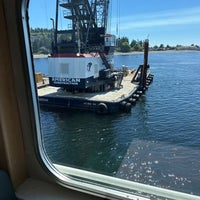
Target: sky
{"points": [[169, 22]]}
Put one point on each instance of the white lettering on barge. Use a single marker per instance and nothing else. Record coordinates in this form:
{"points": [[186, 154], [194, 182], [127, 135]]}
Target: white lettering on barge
{"points": [[66, 81]]}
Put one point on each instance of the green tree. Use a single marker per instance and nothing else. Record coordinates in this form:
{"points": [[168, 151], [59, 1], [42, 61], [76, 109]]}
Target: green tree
{"points": [[155, 47], [41, 40], [162, 46], [133, 43], [121, 40], [138, 47], [124, 39], [125, 47], [123, 44]]}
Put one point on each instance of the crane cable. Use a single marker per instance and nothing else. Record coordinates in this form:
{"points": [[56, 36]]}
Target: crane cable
{"points": [[118, 19], [109, 25]]}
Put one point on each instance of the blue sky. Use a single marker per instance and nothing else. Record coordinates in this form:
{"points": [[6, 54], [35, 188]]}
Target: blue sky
{"points": [[169, 22]]}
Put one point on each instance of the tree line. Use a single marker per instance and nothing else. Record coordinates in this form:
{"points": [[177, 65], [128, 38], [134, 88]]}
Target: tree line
{"points": [[123, 45], [41, 40]]}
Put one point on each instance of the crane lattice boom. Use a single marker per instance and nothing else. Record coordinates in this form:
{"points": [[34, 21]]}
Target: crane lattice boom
{"points": [[88, 24]]}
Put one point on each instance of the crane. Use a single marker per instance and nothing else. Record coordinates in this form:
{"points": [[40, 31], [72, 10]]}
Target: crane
{"points": [[82, 52]]}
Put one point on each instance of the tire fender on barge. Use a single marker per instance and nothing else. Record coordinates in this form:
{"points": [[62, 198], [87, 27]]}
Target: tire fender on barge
{"points": [[102, 108], [125, 106]]}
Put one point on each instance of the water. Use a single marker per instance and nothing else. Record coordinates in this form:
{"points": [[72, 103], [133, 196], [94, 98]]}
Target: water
{"points": [[158, 143]]}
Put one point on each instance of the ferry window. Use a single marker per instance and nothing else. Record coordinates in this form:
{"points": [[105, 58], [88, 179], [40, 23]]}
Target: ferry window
{"points": [[124, 118]]}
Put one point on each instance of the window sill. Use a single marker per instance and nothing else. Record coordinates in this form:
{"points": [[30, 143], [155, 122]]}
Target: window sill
{"points": [[33, 189]]}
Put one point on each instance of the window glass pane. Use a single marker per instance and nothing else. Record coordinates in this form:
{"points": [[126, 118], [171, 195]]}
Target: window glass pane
{"points": [[157, 141]]}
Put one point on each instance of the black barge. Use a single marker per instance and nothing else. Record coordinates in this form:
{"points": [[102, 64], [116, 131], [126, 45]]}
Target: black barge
{"points": [[114, 100]]}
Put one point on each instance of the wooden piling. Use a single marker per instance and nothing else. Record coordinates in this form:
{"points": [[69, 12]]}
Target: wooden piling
{"points": [[145, 65]]}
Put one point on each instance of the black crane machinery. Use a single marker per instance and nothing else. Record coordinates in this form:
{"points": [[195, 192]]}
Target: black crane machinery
{"points": [[87, 29]]}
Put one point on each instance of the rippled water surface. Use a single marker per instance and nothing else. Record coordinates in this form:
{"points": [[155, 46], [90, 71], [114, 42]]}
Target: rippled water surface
{"points": [[158, 143]]}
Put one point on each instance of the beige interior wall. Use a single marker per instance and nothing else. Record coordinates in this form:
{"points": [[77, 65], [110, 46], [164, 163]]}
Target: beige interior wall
{"points": [[12, 157]]}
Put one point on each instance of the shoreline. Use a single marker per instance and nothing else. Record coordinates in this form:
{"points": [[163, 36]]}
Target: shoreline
{"points": [[37, 56], [165, 51]]}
